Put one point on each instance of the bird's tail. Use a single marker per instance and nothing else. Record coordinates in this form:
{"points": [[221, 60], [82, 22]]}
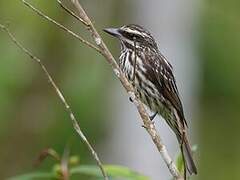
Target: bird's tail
{"points": [[187, 156]]}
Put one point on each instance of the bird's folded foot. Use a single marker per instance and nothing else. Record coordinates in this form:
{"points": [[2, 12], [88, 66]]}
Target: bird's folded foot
{"points": [[144, 126], [153, 116]]}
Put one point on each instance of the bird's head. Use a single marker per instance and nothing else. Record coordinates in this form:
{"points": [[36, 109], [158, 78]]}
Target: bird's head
{"points": [[130, 35]]}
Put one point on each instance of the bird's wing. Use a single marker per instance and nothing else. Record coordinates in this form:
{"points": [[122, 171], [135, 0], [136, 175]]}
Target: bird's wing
{"points": [[168, 88]]}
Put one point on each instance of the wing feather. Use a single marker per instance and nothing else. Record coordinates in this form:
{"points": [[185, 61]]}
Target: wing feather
{"points": [[164, 74]]}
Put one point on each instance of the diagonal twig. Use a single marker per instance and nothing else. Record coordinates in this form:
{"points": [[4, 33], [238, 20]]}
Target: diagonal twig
{"points": [[60, 95], [71, 13], [148, 124], [41, 14]]}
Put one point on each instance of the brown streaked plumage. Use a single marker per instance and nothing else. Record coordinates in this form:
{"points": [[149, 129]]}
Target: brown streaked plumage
{"points": [[152, 76]]}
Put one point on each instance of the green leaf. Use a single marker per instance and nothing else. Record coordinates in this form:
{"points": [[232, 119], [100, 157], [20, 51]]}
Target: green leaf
{"points": [[179, 163], [179, 159], [113, 171], [34, 175], [120, 171], [87, 170]]}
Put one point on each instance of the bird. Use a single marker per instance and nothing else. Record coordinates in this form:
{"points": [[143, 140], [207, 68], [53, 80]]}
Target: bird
{"points": [[151, 75]]}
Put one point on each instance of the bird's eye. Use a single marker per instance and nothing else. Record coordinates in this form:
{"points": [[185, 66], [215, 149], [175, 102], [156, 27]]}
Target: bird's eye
{"points": [[137, 37], [127, 34], [133, 36]]}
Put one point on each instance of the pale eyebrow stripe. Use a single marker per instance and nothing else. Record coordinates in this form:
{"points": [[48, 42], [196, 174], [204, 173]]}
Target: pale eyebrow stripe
{"points": [[136, 32], [132, 31]]}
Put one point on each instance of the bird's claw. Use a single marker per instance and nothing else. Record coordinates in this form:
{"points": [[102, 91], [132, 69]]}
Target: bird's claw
{"points": [[153, 116]]}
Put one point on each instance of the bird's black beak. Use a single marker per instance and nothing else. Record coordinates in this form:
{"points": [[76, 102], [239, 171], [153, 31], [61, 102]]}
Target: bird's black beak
{"points": [[112, 31]]}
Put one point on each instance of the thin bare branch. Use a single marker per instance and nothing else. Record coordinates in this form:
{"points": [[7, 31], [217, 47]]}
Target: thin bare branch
{"points": [[41, 14], [81, 11], [72, 13], [61, 97], [148, 124]]}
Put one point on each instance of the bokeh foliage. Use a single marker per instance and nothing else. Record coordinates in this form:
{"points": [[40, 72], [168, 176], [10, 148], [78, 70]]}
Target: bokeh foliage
{"points": [[220, 96], [32, 117]]}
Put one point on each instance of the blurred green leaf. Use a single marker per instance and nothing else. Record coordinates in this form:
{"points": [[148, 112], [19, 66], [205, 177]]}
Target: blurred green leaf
{"points": [[35, 175], [179, 159], [113, 171], [74, 160], [179, 163], [120, 171]]}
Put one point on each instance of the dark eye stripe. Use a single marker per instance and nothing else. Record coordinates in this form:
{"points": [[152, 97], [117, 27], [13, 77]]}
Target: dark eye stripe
{"points": [[130, 35], [127, 34]]}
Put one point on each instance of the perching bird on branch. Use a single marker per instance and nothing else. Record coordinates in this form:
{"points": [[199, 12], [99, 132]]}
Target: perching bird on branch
{"points": [[152, 76]]}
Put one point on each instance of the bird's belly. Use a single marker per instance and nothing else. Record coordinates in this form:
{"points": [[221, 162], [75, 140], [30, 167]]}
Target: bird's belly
{"points": [[145, 89], [149, 96], [149, 99], [155, 104]]}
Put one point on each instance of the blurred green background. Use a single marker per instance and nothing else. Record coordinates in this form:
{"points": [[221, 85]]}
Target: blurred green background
{"points": [[32, 118], [220, 94]]}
